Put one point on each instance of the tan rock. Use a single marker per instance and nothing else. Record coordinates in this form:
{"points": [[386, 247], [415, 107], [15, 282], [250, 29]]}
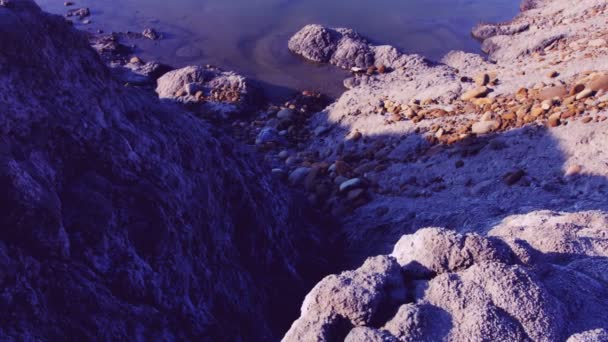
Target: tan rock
{"points": [[574, 169], [537, 111], [482, 79], [599, 83], [475, 93], [554, 120], [552, 92], [585, 94]]}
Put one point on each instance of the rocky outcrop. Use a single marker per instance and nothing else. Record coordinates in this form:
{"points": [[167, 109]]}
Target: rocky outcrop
{"points": [[213, 90], [343, 48], [125, 219], [468, 287]]}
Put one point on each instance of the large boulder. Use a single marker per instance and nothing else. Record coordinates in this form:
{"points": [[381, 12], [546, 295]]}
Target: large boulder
{"points": [[215, 90], [539, 277], [124, 218]]}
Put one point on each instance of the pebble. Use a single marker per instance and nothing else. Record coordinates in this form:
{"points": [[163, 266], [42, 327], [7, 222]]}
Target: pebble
{"points": [[599, 83], [151, 34], [513, 177], [482, 79], [298, 175], [283, 154], [475, 93], [554, 120], [351, 184], [285, 113], [321, 130], [553, 74], [574, 170], [484, 127], [552, 92], [266, 135], [585, 94]]}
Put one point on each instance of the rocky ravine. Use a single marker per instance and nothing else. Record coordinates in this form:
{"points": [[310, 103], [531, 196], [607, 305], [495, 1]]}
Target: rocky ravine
{"points": [[125, 219], [506, 154]]}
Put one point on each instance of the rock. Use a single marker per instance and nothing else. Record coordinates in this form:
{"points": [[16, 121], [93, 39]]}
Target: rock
{"points": [[79, 12], [482, 79], [353, 296], [350, 184], [298, 175], [599, 83], [547, 104], [597, 335], [552, 92], [537, 111], [485, 31], [315, 43], [125, 218], [553, 74], [219, 87], [437, 251], [585, 94], [574, 170], [364, 334], [577, 89], [286, 113], [554, 120], [267, 135], [151, 34], [475, 93], [600, 42], [321, 130], [511, 178], [484, 127]]}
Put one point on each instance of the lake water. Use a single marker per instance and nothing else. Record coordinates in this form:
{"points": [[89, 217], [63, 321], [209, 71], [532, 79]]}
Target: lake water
{"points": [[250, 36]]}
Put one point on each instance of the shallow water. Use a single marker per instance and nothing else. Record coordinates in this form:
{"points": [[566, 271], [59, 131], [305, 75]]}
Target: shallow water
{"points": [[250, 36]]}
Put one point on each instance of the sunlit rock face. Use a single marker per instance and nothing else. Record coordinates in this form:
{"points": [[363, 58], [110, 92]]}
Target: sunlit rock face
{"points": [[125, 219]]}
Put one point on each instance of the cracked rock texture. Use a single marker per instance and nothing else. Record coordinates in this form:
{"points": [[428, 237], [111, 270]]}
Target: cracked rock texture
{"points": [[468, 287], [126, 219]]}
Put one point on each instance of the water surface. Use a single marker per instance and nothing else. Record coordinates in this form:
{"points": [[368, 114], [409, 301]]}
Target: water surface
{"points": [[250, 36]]}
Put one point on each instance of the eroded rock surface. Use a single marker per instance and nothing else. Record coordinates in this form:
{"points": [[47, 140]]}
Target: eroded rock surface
{"points": [[475, 288], [124, 219]]}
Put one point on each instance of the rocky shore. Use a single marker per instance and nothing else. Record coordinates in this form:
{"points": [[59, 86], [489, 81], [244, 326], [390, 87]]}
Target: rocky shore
{"points": [[467, 195]]}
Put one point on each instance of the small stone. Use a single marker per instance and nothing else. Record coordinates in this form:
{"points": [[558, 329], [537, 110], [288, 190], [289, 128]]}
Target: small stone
{"points": [[135, 60], [283, 154], [285, 113], [552, 92], [513, 177], [321, 130], [298, 175], [587, 119], [547, 104], [577, 89], [484, 127], [537, 111], [381, 69], [266, 135], [554, 120], [354, 194], [350, 184], [151, 34], [574, 170], [459, 164], [553, 74], [356, 136], [585, 94], [482, 79], [475, 93], [599, 83]]}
